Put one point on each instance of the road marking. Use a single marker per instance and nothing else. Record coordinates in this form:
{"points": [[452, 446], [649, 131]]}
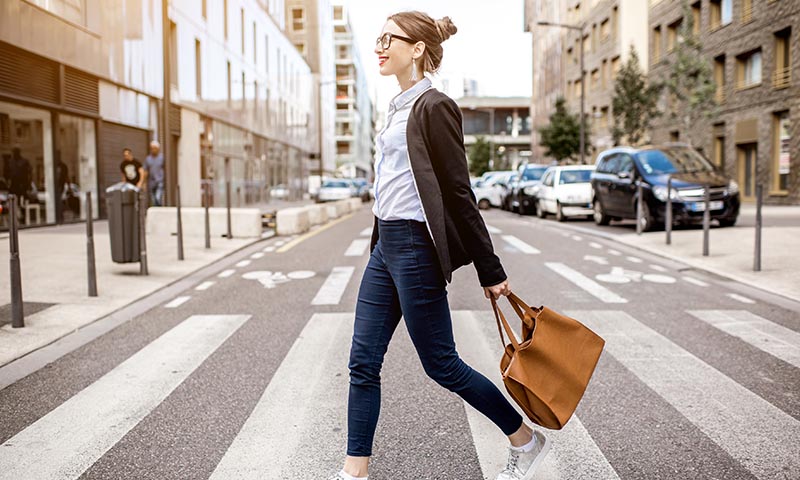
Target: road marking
{"points": [[759, 332], [332, 290], [614, 252], [268, 249], [595, 245], [357, 247], [226, 273], [300, 274], [289, 411], [204, 286], [577, 238], [520, 245], [695, 281], [658, 268], [634, 259], [177, 302], [306, 236], [280, 243], [585, 283], [740, 298], [574, 453], [243, 263], [367, 232], [656, 278], [73, 436], [256, 255], [266, 278], [492, 229], [724, 410], [596, 259]]}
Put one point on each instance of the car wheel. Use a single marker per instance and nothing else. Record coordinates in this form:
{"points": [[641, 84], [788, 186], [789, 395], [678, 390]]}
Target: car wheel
{"points": [[728, 222], [646, 221], [484, 204], [600, 217], [560, 212], [540, 211]]}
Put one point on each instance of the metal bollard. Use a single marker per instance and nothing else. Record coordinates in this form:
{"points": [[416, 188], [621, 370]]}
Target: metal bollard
{"points": [[757, 256], [638, 207], [17, 313], [706, 218], [668, 221], [92, 271], [142, 204], [228, 204], [180, 222], [207, 200]]}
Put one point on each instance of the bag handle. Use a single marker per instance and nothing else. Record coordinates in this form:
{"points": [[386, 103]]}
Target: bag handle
{"points": [[500, 318], [519, 306]]}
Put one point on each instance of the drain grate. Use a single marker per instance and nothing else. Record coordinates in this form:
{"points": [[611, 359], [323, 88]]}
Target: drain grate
{"points": [[28, 308]]}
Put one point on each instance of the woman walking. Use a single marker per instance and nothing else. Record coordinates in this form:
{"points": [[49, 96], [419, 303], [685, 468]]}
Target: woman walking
{"points": [[427, 225]]}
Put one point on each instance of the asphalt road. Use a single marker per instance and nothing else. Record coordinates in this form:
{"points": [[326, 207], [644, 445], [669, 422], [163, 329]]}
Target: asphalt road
{"points": [[244, 375]]}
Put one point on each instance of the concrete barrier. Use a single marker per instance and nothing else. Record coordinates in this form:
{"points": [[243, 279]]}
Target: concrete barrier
{"points": [[245, 222], [317, 214], [355, 204], [290, 221]]}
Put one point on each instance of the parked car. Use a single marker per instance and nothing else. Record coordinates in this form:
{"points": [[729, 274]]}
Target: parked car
{"points": [[508, 191], [523, 198], [362, 188], [618, 170], [565, 191], [337, 189], [490, 188], [279, 191]]}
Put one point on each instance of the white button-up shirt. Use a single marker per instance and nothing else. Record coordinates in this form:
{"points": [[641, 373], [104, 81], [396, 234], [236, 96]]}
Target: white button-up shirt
{"points": [[396, 196]]}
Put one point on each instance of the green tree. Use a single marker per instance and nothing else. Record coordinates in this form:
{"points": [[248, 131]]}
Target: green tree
{"points": [[690, 83], [561, 137], [635, 103], [479, 155]]}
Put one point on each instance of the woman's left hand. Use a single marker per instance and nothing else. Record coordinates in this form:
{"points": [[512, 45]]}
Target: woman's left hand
{"points": [[497, 290]]}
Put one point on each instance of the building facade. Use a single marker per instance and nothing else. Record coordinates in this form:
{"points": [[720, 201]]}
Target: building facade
{"points": [[80, 81], [504, 122], [355, 124], [754, 132]]}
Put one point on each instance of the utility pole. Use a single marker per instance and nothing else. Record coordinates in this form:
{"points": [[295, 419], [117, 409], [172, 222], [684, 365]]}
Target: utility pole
{"points": [[170, 170]]}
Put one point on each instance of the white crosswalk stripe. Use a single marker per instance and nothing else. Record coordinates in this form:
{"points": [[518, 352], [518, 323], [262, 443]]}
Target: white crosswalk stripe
{"points": [[760, 436], [366, 232], [585, 283], [177, 302], [520, 245], [334, 287], [357, 247], [492, 229], [767, 336], [69, 439]]}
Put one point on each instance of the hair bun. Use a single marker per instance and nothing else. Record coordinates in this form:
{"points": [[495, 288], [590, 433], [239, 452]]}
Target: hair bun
{"points": [[446, 28]]}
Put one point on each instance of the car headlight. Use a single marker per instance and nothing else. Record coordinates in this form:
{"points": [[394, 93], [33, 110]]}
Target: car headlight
{"points": [[661, 193], [530, 191], [733, 187]]}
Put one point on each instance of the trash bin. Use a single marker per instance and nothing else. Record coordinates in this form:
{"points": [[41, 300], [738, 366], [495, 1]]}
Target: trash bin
{"points": [[122, 202]]}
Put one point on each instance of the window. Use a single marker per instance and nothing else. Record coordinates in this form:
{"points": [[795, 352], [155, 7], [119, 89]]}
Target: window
{"points": [[173, 53], [674, 136], [749, 69], [673, 35], [586, 44], [605, 30], [604, 73], [719, 78], [604, 117], [696, 18], [241, 15], [229, 83], [266, 53], [781, 77], [225, 18], [780, 162], [721, 13], [656, 44], [594, 37], [614, 67], [719, 151], [70, 10], [198, 70], [338, 13], [342, 148], [747, 11], [569, 55], [255, 49], [595, 79], [615, 22], [298, 19], [301, 47], [204, 9], [244, 93]]}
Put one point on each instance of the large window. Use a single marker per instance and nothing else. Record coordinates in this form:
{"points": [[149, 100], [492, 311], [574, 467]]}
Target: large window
{"points": [[780, 162], [298, 19], [696, 17], [719, 78], [673, 35], [721, 13], [749, 69], [781, 77], [71, 10], [656, 44], [198, 69]]}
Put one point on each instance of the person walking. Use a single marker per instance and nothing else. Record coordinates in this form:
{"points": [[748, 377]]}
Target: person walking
{"points": [[427, 225], [154, 166], [131, 169]]}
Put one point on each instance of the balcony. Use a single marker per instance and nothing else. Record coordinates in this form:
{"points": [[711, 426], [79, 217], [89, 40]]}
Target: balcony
{"points": [[719, 95], [782, 78], [747, 12]]}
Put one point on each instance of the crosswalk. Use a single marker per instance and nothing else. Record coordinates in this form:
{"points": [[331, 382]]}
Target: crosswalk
{"points": [[297, 428]]}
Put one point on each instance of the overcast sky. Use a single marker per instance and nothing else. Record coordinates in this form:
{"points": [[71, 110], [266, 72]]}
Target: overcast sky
{"points": [[490, 46]]}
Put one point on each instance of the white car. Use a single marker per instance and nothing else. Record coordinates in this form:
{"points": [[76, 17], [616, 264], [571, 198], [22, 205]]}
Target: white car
{"points": [[489, 189], [565, 191], [335, 190]]}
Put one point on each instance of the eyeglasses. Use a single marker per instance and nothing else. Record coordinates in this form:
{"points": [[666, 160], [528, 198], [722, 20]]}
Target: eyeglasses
{"points": [[385, 40]]}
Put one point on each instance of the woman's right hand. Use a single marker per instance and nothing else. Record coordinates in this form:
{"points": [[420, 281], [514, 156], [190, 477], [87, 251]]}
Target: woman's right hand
{"points": [[496, 291]]}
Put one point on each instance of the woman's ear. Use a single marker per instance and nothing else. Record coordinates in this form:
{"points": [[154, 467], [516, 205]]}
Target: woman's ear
{"points": [[419, 49]]}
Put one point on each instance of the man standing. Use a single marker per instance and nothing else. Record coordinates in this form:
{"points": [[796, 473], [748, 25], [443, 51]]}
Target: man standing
{"points": [[132, 171], [154, 166]]}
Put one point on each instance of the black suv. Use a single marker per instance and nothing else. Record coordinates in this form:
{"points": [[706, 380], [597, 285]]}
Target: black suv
{"points": [[618, 170], [523, 198]]}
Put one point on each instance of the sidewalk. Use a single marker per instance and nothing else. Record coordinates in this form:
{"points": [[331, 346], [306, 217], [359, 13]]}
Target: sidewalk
{"points": [[731, 250], [54, 271]]}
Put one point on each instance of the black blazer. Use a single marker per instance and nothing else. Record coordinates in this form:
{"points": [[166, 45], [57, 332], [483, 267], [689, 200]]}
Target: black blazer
{"points": [[439, 167]]}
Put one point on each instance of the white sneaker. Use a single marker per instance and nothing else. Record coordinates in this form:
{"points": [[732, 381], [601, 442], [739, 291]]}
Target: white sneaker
{"points": [[522, 465]]}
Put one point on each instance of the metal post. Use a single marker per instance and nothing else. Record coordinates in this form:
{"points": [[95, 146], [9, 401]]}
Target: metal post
{"points": [[228, 195], [757, 257], [207, 200], [583, 101], [491, 139], [706, 218], [142, 204], [17, 314], [180, 222], [638, 207], [92, 271], [668, 223]]}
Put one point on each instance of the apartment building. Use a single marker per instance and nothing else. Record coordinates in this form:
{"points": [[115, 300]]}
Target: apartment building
{"points": [[505, 122], [753, 47], [355, 125], [80, 81]]}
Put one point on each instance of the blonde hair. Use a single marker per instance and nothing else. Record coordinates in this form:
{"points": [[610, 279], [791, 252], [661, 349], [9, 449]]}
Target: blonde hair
{"points": [[422, 28]]}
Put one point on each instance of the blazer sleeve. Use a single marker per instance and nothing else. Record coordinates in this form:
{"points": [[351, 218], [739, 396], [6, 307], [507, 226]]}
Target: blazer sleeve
{"points": [[446, 144]]}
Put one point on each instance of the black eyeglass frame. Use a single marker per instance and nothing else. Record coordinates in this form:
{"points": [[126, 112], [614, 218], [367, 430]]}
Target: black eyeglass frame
{"points": [[388, 43]]}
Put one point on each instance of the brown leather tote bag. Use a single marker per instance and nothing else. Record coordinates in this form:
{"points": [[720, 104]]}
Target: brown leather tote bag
{"points": [[547, 370]]}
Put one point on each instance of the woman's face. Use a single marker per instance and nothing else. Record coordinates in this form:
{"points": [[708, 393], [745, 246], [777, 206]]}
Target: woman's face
{"points": [[396, 59]]}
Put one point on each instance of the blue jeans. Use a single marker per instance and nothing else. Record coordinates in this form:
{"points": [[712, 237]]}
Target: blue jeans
{"points": [[403, 278], [156, 194]]}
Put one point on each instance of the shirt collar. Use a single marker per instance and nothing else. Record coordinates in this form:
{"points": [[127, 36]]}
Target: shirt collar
{"points": [[401, 99]]}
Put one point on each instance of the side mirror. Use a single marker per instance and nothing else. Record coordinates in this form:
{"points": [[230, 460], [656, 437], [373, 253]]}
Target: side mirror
{"points": [[624, 174]]}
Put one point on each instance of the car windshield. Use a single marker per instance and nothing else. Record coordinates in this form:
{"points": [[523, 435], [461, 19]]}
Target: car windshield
{"points": [[533, 173], [574, 176], [339, 184], [360, 182], [673, 160]]}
